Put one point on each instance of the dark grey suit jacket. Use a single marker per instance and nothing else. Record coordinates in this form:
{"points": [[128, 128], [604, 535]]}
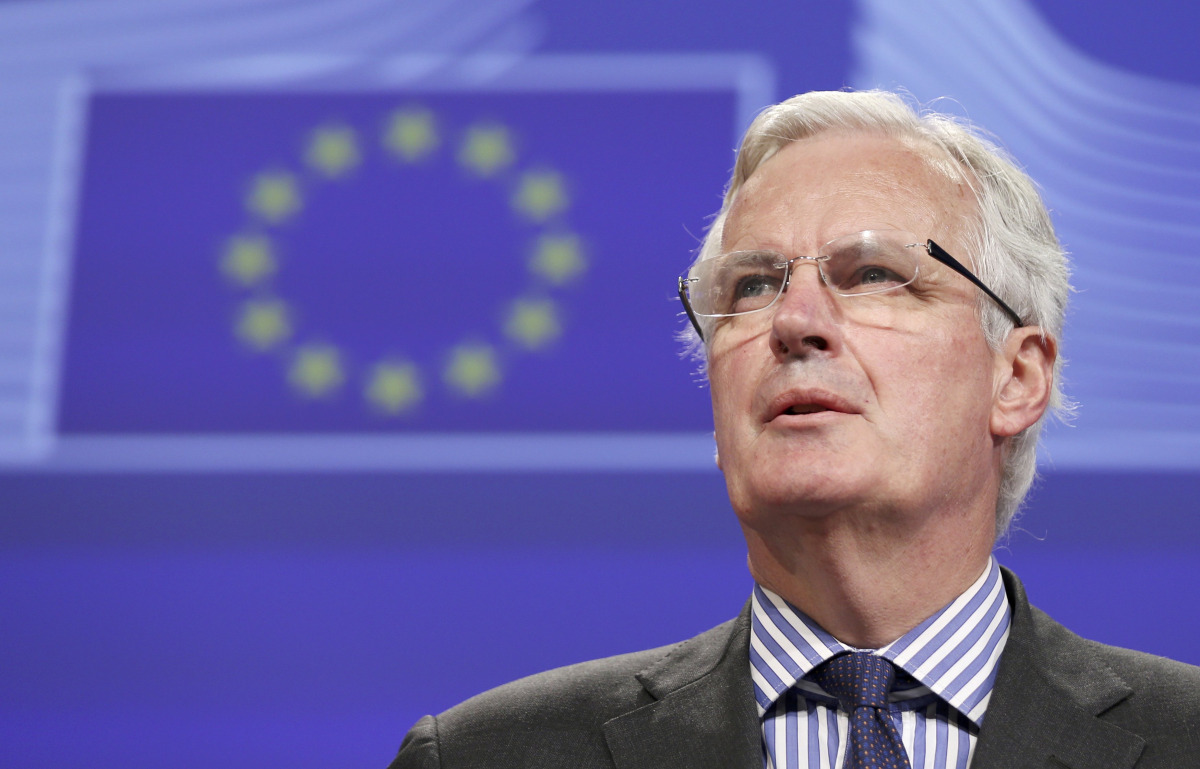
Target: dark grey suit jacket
{"points": [[1059, 700]]}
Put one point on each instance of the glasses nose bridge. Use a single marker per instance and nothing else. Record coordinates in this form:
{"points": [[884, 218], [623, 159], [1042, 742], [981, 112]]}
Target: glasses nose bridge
{"points": [[815, 261]]}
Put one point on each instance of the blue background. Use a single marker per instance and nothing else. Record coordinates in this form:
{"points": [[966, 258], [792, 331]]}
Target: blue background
{"points": [[199, 566]]}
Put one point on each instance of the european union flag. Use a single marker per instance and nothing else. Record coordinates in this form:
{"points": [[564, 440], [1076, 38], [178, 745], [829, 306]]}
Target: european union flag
{"points": [[380, 261]]}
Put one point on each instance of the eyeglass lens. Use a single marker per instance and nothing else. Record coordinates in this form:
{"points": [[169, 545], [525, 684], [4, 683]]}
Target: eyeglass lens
{"points": [[745, 281]]}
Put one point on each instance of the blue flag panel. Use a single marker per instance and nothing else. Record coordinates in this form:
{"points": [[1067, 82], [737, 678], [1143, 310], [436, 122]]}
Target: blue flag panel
{"points": [[387, 261]]}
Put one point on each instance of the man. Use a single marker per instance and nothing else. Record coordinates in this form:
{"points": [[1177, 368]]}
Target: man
{"points": [[879, 302]]}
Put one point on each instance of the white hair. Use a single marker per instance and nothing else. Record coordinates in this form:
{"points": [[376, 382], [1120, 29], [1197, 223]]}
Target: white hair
{"points": [[1016, 252]]}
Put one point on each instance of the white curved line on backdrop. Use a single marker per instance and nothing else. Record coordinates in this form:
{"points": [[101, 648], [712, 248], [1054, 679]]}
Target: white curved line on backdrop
{"points": [[1118, 158]]}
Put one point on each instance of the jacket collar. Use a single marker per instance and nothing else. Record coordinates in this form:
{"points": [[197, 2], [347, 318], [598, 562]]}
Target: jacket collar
{"points": [[1050, 690], [703, 713]]}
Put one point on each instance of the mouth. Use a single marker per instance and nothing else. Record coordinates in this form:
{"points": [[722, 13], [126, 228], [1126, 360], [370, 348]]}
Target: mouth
{"points": [[798, 403]]}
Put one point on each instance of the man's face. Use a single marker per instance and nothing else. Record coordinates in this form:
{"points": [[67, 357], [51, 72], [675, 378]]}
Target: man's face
{"points": [[880, 404]]}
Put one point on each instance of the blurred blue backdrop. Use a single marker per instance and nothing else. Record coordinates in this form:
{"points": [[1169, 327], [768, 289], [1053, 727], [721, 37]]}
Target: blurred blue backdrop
{"points": [[338, 378]]}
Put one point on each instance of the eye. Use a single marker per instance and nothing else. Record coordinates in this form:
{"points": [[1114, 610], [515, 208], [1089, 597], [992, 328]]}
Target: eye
{"points": [[743, 281], [874, 276], [851, 272], [754, 291], [754, 286]]}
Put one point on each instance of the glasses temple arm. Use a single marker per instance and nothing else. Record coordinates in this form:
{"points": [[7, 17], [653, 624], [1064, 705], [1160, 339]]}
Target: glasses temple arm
{"points": [[939, 253], [687, 307]]}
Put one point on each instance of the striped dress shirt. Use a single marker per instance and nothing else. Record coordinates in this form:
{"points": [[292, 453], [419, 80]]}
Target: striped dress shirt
{"points": [[945, 668]]}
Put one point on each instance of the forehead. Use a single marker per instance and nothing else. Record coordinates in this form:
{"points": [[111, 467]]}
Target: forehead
{"points": [[817, 188]]}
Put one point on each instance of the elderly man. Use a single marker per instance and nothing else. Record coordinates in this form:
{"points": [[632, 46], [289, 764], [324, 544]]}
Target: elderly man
{"points": [[879, 302]]}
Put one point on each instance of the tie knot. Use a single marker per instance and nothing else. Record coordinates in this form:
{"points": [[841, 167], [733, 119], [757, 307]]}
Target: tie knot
{"points": [[857, 679]]}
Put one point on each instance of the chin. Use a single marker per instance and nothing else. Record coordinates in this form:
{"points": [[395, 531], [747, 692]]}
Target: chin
{"points": [[813, 496]]}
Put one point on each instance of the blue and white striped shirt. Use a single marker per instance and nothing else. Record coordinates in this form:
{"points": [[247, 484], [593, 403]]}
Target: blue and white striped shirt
{"points": [[945, 670]]}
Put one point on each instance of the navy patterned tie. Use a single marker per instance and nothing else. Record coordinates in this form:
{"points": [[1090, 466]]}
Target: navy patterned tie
{"points": [[861, 682]]}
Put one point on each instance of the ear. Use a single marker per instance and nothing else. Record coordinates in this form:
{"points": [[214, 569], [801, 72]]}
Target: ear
{"points": [[1024, 380]]}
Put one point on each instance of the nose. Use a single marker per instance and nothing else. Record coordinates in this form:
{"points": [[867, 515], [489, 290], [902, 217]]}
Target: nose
{"points": [[806, 321]]}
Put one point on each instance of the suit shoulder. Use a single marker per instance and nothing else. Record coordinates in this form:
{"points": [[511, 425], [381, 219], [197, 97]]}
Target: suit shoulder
{"points": [[595, 690], [1151, 677], [1153, 697], [1159, 677], [553, 718], [1163, 705]]}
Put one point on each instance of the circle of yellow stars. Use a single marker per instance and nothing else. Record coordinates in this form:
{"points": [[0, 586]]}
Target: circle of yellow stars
{"points": [[395, 385]]}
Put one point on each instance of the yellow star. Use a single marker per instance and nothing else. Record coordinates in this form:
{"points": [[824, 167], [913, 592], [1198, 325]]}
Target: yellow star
{"points": [[472, 370], [274, 196], [558, 258], [333, 151], [540, 195], [394, 387], [486, 149], [532, 323], [411, 134], [262, 324], [316, 370], [248, 260]]}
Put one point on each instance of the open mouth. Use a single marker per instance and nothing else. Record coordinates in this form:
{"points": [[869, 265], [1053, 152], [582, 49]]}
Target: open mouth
{"points": [[799, 402]]}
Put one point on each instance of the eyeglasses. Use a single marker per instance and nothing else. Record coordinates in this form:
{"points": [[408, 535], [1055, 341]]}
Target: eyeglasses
{"points": [[859, 265]]}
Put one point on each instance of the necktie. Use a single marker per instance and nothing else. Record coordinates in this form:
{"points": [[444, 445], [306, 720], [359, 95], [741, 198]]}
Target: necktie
{"points": [[861, 682]]}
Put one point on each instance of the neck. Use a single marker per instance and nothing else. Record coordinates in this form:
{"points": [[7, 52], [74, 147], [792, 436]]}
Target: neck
{"points": [[865, 582]]}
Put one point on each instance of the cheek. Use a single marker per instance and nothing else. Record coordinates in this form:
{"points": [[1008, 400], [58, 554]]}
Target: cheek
{"points": [[934, 382], [960, 389], [723, 386], [731, 382]]}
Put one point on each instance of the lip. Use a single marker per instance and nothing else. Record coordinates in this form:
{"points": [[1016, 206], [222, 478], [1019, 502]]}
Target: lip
{"points": [[816, 402]]}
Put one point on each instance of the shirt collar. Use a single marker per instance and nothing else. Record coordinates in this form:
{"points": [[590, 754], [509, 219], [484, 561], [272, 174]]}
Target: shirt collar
{"points": [[955, 652]]}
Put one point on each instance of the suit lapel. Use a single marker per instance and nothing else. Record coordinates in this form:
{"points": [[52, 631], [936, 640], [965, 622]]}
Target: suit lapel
{"points": [[703, 714], [1050, 691]]}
